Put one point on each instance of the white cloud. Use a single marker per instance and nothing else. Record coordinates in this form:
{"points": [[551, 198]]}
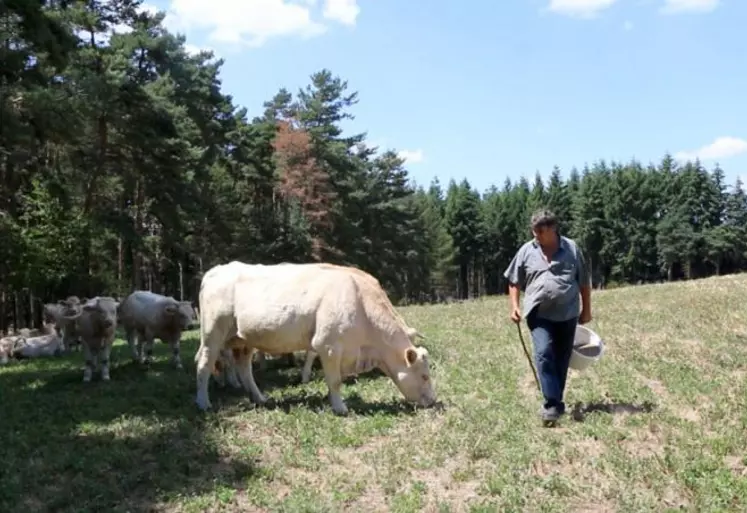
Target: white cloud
{"points": [[692, 6], [411, 156], [720, 148], [254, 22], [341, 11], [579, 8], [150, 9]]}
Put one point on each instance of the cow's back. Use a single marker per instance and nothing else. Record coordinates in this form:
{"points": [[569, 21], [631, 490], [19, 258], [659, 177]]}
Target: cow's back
{"points": [[138, 307], [281, 307]]}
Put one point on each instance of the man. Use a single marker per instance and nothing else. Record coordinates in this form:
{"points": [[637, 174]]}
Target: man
{"points": [[552, 272]]}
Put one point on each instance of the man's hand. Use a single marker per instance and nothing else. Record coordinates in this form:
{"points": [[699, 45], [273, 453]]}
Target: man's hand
{"points": [[516, 314], [584, 317]]}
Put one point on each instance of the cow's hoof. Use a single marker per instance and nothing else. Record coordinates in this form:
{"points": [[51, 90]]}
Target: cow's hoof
{"points": [[340, 410], [203, 405], [260, 400]]}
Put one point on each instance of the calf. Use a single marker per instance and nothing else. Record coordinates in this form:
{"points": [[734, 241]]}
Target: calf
{"points": [[96, 322], [53, 313], [146, 316]]}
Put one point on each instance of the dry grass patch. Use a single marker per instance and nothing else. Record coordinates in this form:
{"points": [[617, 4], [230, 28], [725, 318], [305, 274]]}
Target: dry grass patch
{"points": [[658, 423]]}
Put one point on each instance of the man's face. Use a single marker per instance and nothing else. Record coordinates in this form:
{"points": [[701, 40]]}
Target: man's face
{"points": [[545, 235]]}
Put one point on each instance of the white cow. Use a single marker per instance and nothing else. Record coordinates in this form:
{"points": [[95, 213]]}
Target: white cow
{"points": [[7, 347], [146, 315], [96, 323], [39, 343], [339, 313], [310, 354]]}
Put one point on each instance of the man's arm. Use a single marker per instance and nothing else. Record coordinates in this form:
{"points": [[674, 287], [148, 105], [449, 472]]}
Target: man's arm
{"points": [[515, 275], [513, 293]]}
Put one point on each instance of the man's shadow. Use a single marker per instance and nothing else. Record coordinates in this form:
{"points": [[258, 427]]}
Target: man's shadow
{"points": [[581, 410]]}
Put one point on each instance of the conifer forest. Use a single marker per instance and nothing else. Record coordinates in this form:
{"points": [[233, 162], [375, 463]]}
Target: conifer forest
{"points": [[124, 165]]}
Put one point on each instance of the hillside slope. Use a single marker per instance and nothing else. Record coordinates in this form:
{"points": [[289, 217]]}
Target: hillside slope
{"points": [[659, 422]]}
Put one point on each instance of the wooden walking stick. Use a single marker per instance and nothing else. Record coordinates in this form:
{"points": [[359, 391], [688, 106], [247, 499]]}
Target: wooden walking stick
{"points": [[529, 358]]}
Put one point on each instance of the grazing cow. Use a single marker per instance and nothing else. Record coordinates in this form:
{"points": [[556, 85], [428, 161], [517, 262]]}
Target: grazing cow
{"points": [[148, 316], [53, 313], [335, 311], [310, 354], [96, 323]]}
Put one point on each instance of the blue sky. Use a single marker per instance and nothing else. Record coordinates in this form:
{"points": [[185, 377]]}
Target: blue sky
{"points": [[494, 89]]}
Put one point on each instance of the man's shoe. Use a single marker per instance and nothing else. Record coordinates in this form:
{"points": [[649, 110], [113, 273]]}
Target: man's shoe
{"points": [[551, 415]]}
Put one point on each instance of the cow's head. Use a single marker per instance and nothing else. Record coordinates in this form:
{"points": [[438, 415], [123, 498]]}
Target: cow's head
{"points": [[101, 310], [413, 375], [181, 313]]}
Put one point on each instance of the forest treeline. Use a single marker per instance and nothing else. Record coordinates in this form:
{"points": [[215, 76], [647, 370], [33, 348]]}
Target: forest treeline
{"points": [[123, 165]]}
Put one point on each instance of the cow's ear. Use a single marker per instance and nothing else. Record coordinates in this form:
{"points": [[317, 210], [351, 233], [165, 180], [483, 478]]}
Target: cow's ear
{"points": [[411, 356]]}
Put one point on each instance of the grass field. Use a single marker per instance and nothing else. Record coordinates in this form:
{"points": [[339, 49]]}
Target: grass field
{"points": [[658, 425]]}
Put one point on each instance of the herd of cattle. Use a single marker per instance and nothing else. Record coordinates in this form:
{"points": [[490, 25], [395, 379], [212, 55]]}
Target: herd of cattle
{"points": [[340, 314]]}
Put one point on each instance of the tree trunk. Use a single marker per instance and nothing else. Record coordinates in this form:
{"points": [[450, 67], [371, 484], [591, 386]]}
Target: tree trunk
{"points": [[181, 282]]}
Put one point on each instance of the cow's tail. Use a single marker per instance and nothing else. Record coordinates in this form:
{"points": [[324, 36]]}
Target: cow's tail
{"points": [[202, 320]]}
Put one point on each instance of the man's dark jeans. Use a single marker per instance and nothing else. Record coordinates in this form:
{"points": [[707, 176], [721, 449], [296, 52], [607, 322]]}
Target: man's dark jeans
{"points": [[553, 344]]}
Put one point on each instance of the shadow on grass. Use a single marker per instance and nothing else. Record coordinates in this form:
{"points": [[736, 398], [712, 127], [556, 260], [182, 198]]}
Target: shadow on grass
{"points": [[581, 410], [355, 403], [130, 443], [127, 444]]}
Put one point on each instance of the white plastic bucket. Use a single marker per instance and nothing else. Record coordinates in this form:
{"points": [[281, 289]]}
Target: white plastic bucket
{"points": [[588, 348]]}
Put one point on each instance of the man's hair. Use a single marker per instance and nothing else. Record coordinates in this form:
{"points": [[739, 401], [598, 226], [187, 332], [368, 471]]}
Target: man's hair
{"points": [[544, 218]]}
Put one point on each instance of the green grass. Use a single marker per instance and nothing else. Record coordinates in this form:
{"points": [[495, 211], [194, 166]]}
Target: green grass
{"points": [[659, 425]]}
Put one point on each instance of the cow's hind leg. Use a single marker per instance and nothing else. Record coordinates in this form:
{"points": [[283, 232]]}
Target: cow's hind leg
{"points": [[261, 360], [243, 357], [331, 358], [229, 369], [307, 366]]}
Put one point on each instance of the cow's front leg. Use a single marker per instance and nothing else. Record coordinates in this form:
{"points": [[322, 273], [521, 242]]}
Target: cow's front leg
{"points": [[243, 358], [148, 341], [176, 357], [331, 358], [104, 354], [88, 358], [132, 343]]}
